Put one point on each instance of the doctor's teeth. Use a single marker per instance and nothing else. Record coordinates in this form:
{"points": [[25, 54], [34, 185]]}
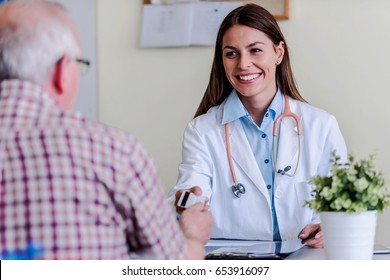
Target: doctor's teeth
{"points": [[249, 77]]}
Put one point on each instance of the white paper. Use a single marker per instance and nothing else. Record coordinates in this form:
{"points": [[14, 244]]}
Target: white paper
{"points": [[208, 16], [183, 24], [166, 25]]}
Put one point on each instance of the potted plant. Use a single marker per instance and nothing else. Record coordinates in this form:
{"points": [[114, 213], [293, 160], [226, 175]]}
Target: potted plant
{"points": [[348, 201]]}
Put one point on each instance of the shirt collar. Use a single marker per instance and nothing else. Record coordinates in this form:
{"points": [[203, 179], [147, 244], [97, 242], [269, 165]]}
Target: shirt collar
{"points": [[23, 89], [234, 109]]}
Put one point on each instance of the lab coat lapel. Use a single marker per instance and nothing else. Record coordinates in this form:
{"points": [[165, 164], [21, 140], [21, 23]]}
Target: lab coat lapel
{"points": [[243, 156]]}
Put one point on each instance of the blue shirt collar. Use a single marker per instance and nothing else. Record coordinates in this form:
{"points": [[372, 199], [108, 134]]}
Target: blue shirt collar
{"points": [[234, 109]]}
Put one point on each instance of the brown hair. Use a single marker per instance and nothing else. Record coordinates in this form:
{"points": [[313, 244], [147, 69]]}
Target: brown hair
{"points": [[253, 16]]}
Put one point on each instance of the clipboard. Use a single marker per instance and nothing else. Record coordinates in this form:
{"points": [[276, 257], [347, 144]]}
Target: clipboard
{"points": [[244, 256], [381, 250], [227, 249]]}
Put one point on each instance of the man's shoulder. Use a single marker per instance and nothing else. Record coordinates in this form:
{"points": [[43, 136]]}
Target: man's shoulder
{"points": [[80, 127], [101, 129]]}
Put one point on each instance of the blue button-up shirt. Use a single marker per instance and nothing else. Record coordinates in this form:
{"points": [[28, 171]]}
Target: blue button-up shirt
{"points": [[260, 140]]}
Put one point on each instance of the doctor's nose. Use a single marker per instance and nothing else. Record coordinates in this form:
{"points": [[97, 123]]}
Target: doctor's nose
{"points": [[244, 62]]}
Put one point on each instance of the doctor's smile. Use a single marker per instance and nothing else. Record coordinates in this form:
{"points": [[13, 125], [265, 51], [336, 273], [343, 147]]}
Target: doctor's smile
{"points": [[248, 78]]}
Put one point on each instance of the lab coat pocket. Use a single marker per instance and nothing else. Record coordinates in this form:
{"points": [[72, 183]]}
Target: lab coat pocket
{"points": [[303, 214]]}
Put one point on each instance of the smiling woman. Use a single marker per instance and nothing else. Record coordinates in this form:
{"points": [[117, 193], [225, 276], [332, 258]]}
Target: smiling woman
{"points": [[228, 151], [250, 60]]}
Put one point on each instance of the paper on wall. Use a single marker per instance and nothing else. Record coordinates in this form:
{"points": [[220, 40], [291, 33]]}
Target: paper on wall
{"points": [[183, 24], [166, 25], [208, 16]]}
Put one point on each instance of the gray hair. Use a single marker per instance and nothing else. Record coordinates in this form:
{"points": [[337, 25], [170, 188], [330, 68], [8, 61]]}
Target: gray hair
{"points": [[29, 49]]}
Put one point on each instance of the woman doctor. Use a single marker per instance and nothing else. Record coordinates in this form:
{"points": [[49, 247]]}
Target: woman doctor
{"points": [[256, 183]]}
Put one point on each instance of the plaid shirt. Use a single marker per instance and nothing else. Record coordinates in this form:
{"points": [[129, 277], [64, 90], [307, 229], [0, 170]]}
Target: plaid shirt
{"points": [[75, 189]]}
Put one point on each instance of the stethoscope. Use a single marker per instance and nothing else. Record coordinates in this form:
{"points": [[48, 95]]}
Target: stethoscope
{"points": [[237, 188]]}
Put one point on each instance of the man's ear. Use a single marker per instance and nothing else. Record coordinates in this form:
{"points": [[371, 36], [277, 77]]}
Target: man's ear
{"points": [[61, 74]]}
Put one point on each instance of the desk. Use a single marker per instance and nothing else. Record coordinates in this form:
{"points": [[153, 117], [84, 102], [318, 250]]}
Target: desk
{"points": [[306, 253]]}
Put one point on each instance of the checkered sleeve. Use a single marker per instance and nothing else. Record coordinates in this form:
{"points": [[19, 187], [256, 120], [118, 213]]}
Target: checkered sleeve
{"points": [[155, 231]]}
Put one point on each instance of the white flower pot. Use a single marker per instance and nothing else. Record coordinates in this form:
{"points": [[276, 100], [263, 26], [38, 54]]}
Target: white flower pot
{"points": [[349, 236]]}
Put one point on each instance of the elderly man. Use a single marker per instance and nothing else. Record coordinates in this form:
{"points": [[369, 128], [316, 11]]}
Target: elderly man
{"points": [[71, 188]]}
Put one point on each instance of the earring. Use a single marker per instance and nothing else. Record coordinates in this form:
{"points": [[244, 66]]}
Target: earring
{"points": [[278, 62]]}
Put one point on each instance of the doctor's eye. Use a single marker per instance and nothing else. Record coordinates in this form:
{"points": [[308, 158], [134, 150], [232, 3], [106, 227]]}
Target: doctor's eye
{"points": [[256, 50], [231, 54]]}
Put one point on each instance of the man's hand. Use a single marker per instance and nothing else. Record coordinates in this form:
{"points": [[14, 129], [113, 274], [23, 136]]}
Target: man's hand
{"points": [[196, 223]]}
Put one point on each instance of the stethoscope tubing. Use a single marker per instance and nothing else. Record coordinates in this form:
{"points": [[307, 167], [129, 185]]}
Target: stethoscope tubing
{"points": [[286, 114], [229, 153]]}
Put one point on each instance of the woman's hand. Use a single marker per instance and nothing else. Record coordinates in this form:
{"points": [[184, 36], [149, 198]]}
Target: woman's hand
{"points": [[311, 235]]}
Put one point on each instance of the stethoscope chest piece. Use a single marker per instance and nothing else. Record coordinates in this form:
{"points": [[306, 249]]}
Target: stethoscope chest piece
{"points": [[238, 189]]}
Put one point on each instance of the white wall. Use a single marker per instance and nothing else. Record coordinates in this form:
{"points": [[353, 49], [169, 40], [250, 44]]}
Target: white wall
{"points": [[340, 54], [83, 13]]}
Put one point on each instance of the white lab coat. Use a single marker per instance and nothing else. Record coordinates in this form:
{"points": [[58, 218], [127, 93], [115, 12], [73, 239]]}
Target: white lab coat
{"points": [[205, 164]]}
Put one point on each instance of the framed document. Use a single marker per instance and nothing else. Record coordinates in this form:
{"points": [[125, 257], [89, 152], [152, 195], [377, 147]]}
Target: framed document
{"points": [[280, 9]]}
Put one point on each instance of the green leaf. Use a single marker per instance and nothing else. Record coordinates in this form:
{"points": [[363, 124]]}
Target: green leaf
{"points": [[353, 186]]}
